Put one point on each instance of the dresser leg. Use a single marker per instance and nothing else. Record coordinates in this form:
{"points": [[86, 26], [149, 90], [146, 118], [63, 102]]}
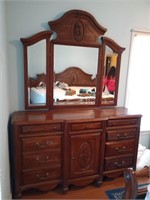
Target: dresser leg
{"points": [[65, 189], [98, 182], [17, 195]]}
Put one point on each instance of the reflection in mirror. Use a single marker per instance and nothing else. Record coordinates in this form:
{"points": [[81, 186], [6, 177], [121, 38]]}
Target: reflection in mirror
{"points": [[75, 70], [109, 79], [37, 73]]}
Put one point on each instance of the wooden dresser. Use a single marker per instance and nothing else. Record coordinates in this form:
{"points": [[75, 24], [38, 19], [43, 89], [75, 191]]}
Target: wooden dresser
{"points": [[72, 146]]}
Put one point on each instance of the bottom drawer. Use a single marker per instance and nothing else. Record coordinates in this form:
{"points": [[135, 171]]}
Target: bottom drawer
{"points": [[118, 162], [38, 176]]}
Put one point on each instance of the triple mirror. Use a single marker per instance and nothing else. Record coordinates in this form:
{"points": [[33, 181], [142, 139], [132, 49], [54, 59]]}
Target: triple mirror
{"points": [[71, 65]]}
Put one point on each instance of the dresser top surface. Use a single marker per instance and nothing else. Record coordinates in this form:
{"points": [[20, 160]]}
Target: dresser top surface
{"points": [[27, 117]]}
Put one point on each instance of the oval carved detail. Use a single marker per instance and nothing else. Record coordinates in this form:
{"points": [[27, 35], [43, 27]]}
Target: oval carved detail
{"points": [[78, 30], [84, 156]]}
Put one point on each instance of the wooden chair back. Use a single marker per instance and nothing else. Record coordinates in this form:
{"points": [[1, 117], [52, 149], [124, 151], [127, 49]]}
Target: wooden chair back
{"points": [[131, 183]]}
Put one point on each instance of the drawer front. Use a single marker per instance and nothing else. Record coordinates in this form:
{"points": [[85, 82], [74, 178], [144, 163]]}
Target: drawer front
{"points": [[39, 176], [118, 163], [119, 148], [121, 134], [52, 158], [42, 128], [86, 126], [41, 143], [122, 122]]}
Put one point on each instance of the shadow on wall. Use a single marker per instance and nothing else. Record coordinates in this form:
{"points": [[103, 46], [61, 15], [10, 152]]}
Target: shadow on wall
{"points": [[18, 72]]}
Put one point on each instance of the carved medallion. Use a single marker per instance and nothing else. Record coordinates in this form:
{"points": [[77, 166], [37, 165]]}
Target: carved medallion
{"points": [[78, 30], [84, 155]]}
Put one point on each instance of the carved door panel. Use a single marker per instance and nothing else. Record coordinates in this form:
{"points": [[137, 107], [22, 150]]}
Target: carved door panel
{"points": [[85, 154]]}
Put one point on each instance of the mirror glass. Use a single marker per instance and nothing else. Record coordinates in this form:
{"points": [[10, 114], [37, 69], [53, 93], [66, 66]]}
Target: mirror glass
{"points": [[109, 77], [75, 69], [37, 73]]}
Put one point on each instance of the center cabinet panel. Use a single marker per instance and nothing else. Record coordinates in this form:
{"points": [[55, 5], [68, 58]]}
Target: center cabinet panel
{"points": [[85, 152]]}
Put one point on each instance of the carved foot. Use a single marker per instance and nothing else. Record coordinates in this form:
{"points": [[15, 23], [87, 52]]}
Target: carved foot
{"points": [[65, 189], [98, 182], [17, 195]]}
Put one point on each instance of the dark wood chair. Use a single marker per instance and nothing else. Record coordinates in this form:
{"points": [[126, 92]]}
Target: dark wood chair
{"points": [[132, 191]]}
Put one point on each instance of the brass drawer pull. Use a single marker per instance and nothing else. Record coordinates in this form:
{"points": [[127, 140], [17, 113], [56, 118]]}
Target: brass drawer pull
{"points": [[120, 150], [119, 165], [122, 136], [46, 159], [42, 145], [40, 178]]}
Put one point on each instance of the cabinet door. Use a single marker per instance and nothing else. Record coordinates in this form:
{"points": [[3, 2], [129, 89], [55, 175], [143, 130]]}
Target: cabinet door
{"points": [[85, 154]]}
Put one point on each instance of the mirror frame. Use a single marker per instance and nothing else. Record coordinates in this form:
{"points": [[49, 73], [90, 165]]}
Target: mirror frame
{"points": [[44, 35], [75, 28], [78, 28], [116, 49]]}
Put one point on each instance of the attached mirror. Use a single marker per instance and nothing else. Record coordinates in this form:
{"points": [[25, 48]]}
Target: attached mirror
{"points": [[37, 74], [75, 70], [111, 69], [69, 65], [36, 64], [109, 78]]}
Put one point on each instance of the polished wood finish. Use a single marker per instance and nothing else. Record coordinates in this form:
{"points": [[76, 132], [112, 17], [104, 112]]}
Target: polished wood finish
{"points": [[121, 145], [71, 147], [77, 27], [131, 183]]}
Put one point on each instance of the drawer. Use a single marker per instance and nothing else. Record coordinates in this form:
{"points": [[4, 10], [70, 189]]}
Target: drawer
{"points": [[50, 158], [119, 148], [122, 122], [41, 143], [121, 134], [118, 162], [42, 128], [39, 176], [86, 126]]}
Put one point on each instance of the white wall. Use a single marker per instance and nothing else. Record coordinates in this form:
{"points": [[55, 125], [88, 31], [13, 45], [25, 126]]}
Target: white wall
{"points": [[4, 111], [25, 18]]}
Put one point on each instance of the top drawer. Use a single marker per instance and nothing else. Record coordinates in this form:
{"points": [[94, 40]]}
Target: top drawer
{"points": [[85, 126], [42, 128], [122, 122]]}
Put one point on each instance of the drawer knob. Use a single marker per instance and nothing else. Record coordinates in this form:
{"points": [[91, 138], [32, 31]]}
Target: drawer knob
{"points": [[73, 158], [40, 178], [42, 145], [121, 136], [40, 161], [119, 164]]}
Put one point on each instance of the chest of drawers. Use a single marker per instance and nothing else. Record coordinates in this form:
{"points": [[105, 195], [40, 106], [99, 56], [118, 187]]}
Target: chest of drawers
{"points": [[121, 145], [78, 147]]}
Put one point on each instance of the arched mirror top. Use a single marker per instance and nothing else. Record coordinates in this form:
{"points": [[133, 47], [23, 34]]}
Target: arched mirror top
{"points": [[77, 27], [36, 38]]}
